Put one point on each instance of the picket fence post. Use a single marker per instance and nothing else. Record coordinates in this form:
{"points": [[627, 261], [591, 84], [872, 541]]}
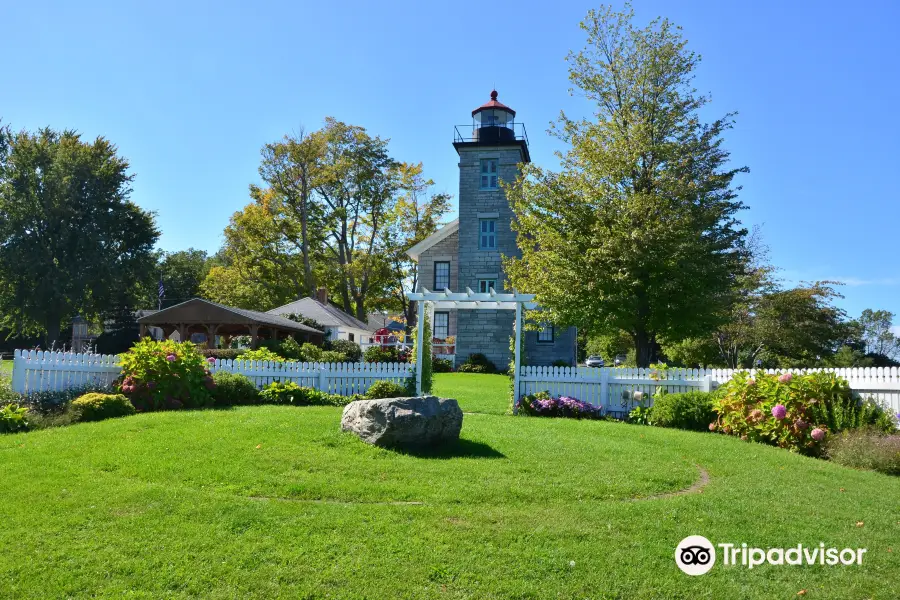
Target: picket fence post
{"points": [[322, 384], [707, 383], [18, 378], [604, 388]]}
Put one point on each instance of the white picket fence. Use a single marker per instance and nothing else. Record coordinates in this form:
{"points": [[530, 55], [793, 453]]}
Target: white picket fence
{"points": [[35, 371], [613, 388]]}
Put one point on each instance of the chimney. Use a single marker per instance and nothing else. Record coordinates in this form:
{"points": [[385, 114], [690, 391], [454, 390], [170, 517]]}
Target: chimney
{"points": [[322, 295]]}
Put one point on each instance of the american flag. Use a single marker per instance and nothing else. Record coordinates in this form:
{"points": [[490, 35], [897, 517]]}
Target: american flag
{"points": [[162, 289]]}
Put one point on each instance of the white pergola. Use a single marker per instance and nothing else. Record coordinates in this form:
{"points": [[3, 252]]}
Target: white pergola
{"points": [[469, 300]]}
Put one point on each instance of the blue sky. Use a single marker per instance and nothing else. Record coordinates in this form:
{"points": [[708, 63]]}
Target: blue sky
{"points": [[191, 91]]}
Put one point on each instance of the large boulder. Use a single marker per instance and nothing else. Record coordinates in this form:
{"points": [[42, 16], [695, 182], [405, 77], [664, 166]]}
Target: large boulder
{"points": [[417, 422]]}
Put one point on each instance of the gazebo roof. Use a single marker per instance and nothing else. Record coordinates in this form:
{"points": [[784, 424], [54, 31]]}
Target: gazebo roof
{"points": [[199, 311]]}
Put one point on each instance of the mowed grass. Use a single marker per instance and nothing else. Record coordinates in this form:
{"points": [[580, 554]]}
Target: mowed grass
{"points": [[6, 368], [269, 502], [475, 392]]}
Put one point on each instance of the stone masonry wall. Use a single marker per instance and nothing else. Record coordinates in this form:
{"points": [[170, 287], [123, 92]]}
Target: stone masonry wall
{"points": [[445, 250]]}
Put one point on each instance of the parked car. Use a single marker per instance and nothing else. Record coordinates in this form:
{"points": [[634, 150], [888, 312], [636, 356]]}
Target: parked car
{"points": [[594, 361]]}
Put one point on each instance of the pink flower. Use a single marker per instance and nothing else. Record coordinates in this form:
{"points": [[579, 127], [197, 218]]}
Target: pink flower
{"points": [[171, 358], [818, 434], [779, 411], [751, 382], [712, 426], [785, 378], [210, 360]]}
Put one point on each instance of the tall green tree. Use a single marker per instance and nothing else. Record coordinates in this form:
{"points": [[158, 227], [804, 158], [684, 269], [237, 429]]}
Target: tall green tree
{"points": [[415, 216], [71, 241], [257, 268], [638, 231], [182, 273], [876, 328]]}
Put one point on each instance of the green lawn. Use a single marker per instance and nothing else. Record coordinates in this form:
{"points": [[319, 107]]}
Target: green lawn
{"points": [[6, 367], [266, 502]]}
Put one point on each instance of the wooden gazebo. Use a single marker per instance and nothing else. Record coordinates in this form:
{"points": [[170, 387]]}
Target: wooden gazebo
{"points": [[202, 316]]}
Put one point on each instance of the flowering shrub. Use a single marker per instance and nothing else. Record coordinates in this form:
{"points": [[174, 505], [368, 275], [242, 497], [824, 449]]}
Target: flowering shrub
{"points": [[165, 375], [542, 404], [797, 412]]}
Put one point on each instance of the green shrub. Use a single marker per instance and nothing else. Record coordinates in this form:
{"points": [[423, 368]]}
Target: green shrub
{"points": [[291, 393], [289, 349], [223, 353], [262, 354], [377, 354], [477, 363], [691, 410], [792, 411], [385, 389], [234, 389], [13, 418], [351, 350], [470, 368], [165, 375], [97, 407], [867, 449], [58, 401], [442, 365]]}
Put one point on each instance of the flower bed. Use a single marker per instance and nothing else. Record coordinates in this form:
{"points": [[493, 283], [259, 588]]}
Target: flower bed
{"points": [[542, 404]]}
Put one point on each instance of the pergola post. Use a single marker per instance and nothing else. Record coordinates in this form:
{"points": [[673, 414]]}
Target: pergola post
{"points": [[517, 368], [420, 340]]}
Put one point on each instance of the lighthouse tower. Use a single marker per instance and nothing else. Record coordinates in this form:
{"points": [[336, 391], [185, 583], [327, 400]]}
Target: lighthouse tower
{"points": [[490, 152]]}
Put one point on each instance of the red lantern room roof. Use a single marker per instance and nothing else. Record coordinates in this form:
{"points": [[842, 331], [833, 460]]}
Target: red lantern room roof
{"points": [[493, 104]]}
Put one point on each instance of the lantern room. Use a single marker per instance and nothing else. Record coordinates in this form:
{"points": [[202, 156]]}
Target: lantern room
{"points": [[493, 124]]}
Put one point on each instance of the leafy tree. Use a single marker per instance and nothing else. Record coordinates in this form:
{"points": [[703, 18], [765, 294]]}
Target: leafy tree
{"points": [[638, 231], [71, 242], [877, 334], [294, 168], [259, 269], [412, 220], [182, 273]]}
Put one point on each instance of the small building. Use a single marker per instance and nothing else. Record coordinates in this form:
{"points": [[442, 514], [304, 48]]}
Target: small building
{"points": [[217, 321], [337, 324]]}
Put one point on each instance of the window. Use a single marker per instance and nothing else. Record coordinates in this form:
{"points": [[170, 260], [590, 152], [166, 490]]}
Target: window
{"points": [[488, 237], [441, 325], [441, 276], [485, 285], [350, 336], [545, 335], [489, 174]]}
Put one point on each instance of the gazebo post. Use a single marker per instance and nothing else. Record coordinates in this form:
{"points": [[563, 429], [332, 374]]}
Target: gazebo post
{"points": [[254, 336], [517, 369], [420, 340]]}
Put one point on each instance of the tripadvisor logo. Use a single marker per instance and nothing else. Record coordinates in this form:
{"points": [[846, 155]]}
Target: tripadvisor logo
{"points": [[696, 555]]}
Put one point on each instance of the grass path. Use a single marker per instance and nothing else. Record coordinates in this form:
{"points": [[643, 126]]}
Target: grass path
{"points": [[269, 502]]}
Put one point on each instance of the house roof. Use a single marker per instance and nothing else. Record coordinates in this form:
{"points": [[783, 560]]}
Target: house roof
{"points": [[325, 314], [438, 236], [381, 321], [198, 310]]}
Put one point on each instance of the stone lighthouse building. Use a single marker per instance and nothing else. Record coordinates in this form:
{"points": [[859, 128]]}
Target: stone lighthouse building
{"points": [[467, 253]]}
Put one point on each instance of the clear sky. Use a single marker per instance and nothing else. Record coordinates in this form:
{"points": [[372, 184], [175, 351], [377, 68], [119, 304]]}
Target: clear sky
{"points": [[190, 91]]}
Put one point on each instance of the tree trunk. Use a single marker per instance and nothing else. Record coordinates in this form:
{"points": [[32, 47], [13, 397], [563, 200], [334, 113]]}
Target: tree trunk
{"points": [[53, 329], [304, 236], [645, 348]]}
